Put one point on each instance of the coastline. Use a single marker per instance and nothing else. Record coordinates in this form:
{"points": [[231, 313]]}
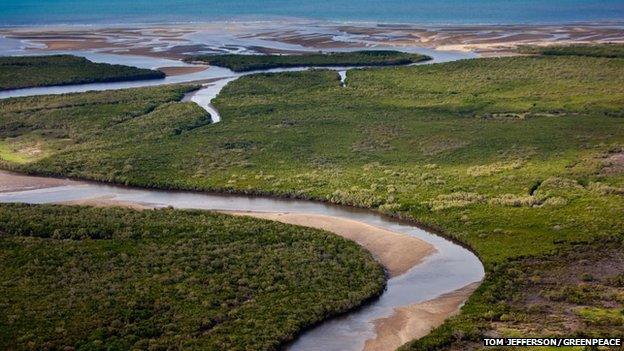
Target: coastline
{"points": [[176, 41], [404, 323]]}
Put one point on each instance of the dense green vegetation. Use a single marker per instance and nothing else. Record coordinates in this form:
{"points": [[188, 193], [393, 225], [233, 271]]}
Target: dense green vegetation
{"points": [[37, 127], [115, 279], [577, 291], [521, 158], [241, 63], [35, 71], [603, 50]]}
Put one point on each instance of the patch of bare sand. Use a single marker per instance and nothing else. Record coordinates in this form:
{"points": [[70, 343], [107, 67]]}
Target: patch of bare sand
{"points": [[10, 182], [396, 252], [417, 320], [176, 71], [60, 44]]}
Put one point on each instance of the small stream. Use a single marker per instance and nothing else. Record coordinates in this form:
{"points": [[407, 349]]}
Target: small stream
{"points": [[218, 77], [451, 268]]}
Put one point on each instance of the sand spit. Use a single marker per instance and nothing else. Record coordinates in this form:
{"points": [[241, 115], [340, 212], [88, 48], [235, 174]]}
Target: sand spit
{"points": [[10, 182], [177, 71], [417, 320]]}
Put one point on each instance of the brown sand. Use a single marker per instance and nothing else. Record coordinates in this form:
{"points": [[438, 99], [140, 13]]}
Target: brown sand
{"points": [[417, 320], [396, 252], [10, 182], [176, 71], [87, 44]]}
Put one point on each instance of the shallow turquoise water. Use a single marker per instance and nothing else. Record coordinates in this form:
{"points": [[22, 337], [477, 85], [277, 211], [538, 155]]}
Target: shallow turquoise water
{"points": [[30, 12]]}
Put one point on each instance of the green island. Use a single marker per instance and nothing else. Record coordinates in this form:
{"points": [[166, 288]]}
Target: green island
{"points": [[118, 279], [243, 63], [36, 71], [520, 158]]}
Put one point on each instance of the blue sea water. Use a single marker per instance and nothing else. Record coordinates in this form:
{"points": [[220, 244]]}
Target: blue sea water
{"points": [[37, 12]]}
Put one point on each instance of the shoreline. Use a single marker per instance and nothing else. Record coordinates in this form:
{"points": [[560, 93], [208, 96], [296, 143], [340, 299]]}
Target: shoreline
{"points": [[292, 37], [396, 328]]}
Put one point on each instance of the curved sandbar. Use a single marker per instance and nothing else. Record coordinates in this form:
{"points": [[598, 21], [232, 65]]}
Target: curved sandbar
{"points": [[417, 320], [181, 70]]}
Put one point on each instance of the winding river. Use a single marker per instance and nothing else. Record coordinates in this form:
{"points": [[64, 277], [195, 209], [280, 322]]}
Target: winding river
{"points": [[213, 78], [450, 268]]}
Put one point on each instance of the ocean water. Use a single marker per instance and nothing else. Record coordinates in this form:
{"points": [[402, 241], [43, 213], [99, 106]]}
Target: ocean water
{"points": [[432, 12]]}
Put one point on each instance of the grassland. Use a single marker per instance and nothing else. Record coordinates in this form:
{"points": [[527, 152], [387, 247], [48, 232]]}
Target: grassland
{"points": [[36, 71], [116, 279], [242, 63], [604, 50], [520, 158]]}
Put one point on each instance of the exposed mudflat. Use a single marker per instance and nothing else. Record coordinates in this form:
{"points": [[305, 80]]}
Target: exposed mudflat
{"points": [[180, 70], [14, 182]]}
